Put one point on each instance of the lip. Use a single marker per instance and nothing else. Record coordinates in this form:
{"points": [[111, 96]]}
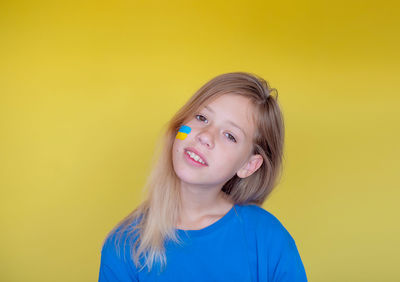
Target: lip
{"points": [[197, 153]]}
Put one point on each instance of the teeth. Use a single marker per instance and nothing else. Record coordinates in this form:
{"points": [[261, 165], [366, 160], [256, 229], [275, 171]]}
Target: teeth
{"points": [[195, 157]]}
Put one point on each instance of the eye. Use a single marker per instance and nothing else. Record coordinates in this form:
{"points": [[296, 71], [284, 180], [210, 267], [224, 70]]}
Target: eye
{"points": [[201, 118], [231, 137]]}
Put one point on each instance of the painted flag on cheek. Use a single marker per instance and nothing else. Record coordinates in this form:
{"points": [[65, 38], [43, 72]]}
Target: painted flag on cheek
{"points": [[183, 132]]}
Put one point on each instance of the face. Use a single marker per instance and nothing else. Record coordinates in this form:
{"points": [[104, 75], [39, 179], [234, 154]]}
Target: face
{"points": [[221, 135]]}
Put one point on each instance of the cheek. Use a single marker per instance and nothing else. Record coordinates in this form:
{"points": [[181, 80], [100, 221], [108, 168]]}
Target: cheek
{"points": [[226, 161], [177, 144], [183, 135], [175, 148], [233, 160]]}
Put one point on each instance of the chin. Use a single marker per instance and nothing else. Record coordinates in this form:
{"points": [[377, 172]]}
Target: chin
{"points": [[184, 176]]}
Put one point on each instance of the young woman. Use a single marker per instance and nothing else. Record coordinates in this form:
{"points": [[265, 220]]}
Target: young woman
{"points": [[220, 158]]}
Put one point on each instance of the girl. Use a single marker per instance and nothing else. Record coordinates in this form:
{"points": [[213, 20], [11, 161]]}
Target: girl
{"points": [[201, 220]]}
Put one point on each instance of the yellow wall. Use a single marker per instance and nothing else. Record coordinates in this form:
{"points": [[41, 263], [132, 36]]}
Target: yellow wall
{"points": [[85, 87]]}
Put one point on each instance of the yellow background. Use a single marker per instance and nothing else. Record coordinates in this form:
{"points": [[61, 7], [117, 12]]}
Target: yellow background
{"points": [[86, 86]]}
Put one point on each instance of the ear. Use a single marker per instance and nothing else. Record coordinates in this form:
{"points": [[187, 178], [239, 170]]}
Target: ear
{"points": [[250, 166]]}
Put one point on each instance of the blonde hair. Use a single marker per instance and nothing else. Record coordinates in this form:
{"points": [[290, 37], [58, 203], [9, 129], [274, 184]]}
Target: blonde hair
{"points": [[153, 222]]}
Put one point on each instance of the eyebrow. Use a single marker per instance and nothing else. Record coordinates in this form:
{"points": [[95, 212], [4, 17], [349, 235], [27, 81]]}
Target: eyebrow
{"points": [[230, 122]]}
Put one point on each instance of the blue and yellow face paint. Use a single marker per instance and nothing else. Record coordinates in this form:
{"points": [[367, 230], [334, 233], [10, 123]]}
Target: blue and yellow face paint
{"points": [[183, 132]]}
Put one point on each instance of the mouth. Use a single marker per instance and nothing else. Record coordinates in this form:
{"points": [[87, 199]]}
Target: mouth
{"points": [[195, 157]]}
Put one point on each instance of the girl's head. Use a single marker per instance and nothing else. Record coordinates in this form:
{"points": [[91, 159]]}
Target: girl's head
{"points": [[238, 130], [222, 136]]}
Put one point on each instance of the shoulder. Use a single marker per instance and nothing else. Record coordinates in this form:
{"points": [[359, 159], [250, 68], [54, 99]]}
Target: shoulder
{"points": [[116, 263], [258, 217], [276, 250], [118, 243], [264, 224], [120, 237], [257, 212], [114, 246]]}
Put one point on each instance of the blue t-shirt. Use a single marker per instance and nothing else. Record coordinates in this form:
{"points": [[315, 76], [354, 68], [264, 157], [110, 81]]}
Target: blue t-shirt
{"points": [[247, 244]]}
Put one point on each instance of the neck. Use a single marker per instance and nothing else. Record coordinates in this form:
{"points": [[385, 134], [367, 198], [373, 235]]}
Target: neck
{"points": [[198, 202]]}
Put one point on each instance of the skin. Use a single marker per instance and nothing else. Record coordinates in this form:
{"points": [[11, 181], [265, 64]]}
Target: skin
{"points": [[202, 200]]}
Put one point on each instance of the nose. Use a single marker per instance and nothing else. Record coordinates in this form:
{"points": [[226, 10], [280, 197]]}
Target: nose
{"points": [[206, 137]]}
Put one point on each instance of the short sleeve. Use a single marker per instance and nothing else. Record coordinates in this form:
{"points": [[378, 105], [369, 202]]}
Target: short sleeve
{"points": [[278, 257], [286, 263], [114, 266]]}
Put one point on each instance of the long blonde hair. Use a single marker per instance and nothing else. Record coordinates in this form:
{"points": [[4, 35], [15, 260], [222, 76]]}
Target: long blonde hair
{"points": [[153, 222]]}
